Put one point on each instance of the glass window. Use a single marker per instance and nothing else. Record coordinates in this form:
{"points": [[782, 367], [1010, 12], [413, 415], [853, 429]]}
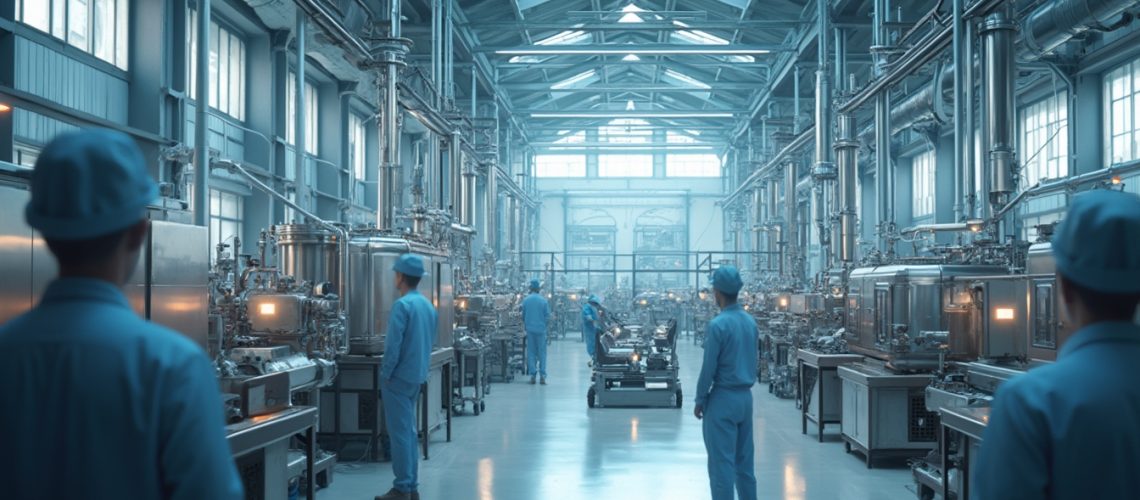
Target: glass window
{"points": [[1122, 140], [559, 165], [625, 165], [1045, 139], [227, 68], [357, 145], [922, 180], [98, 27], [226, 216], [692, 165], [310, 113]]}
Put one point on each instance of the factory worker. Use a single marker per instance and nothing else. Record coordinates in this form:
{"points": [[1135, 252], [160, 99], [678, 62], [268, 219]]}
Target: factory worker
{"points": [[98, 402], [591, 323], [407, 352], [535, 313], [1069, 429], [724, 392]]}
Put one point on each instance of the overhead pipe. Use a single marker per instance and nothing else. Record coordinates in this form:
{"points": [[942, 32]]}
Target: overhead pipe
{"points": [[1054, 23], [1069, 184], [959, 42], [201, 127], [998, 33]]}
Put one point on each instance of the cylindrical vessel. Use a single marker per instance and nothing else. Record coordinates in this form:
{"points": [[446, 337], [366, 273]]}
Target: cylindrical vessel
{"points": [[998, 34], [308, 253], [791, 218], [490, 222], [846, 156]]}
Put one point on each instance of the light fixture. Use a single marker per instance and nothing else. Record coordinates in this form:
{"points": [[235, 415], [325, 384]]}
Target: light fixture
{"points": [[4, 108], [638, 114], [569, 50], [1003, 313], [631, 58], [975, 225], [783, 302], [629, 106], [1115, 179], [268, 309]]}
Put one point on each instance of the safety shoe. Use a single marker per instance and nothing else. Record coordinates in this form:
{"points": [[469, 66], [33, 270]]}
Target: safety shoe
{"points": [[532, 381], [394, 494], [543, 380]]}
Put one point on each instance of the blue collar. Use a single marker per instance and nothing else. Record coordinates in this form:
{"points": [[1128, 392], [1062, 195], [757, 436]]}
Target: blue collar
{"points": [[1109, 331], [85, 289], [734, 307]]}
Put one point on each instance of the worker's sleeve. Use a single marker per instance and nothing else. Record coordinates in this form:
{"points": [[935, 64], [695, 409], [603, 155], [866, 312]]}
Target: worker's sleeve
{"points": [[708, 367], [394, 339], [195, 457], [1013, 461]]}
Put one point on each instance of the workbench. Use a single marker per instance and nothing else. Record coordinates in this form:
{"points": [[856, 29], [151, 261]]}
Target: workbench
{"points": [[260, 446], [821, 391], [970, 423]]}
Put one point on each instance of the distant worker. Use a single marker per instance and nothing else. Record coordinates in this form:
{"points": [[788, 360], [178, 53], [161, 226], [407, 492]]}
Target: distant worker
{"points": [[724, 392], [536, 314], [591, 323], [404, 369], [1068, 430], [100, 403]]}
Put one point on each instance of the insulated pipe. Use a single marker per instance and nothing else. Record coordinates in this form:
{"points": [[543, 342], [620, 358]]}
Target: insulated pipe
{"points": [[960, 61], [201, 127], [455, 174], [969, 146], [846, 156], [392, 57], [1054, 23], [299, 132], [490, 224], [998, 35]]}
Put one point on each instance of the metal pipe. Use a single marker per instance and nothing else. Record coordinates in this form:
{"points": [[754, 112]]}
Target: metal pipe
{"points": [[959, 42], [846, 156], [455, 174], [998, 35], [791, 218], [490, 225], [467, 194], [773, 218], [777, 161], [757, 224], [796, 100], [201, 126], [884, 210], [1054, 23], [299, 129], [969, 146], [1070, 184]]}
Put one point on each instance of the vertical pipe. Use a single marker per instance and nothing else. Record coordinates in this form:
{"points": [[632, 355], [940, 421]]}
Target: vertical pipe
{"points": [[772, 218], [791, 219], [796, 100], [824, 172], [969, 146], [757, 225], [846, 156], [997, 43], [467, 194], [882, 127], [390, 124], [201, 127], [959, 106], [455, 174], [474, 92], [299, 132], [492, 201]]}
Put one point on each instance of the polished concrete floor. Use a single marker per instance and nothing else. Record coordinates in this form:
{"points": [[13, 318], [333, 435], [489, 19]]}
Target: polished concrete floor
{"points": [[542, 442]]}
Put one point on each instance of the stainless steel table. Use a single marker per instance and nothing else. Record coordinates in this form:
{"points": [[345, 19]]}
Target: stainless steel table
{"points": [[261, 432], [971, 423], [827, 400]]}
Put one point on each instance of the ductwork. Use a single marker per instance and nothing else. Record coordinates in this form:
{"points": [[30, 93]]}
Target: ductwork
{"points": [[1056, 22], [928, 104]]}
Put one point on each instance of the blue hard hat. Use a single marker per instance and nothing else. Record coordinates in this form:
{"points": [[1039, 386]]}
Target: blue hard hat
{"points": [[594, 299], [535, 284], [1097, 245], [726, 279], [409, 265], [89, 183]]}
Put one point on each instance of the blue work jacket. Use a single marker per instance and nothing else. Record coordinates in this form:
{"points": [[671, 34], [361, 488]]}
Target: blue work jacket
{"points": [[589, 319], [730, 353], [535, 313], [1070, 429], [407, 346], [99, 403]]}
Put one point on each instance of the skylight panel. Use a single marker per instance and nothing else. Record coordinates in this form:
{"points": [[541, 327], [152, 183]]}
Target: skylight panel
{"points": [[568, 37], [631, 58], [686, 79], [698, 37], [630, 15]]}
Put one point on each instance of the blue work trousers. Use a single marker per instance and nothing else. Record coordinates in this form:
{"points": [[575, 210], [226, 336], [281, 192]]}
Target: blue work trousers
{"points": [[400, 417], [536, 353], [727, 428], [589, 337]]}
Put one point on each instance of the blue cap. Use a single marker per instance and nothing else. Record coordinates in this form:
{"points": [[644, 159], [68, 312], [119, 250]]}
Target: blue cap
{"points": [[409, 265], [535, 285], [89, 183], [726, 279], [1097, 244], [594, 299]]}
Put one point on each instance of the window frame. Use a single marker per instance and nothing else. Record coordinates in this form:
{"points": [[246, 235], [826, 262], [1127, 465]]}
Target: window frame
{"points": [[234, 106], [312, 113], [1044, 140], [624, 168], [1129, 106], [688, 169], [571, 171], [924, 168], [218, 220], [60, 15]]}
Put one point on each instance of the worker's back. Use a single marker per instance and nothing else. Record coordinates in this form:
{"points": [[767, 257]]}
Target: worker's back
{"points": [[101, 404], [731, 337], [1068, 430]]}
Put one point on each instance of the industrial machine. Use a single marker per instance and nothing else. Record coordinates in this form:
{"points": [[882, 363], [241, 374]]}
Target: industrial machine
{"points": [[636, 367]]}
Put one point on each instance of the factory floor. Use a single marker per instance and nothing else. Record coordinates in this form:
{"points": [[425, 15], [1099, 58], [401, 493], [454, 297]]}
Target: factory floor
{"points": [[542, 442]]}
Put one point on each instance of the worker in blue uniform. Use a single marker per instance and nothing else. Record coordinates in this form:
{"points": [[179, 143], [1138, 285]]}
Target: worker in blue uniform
{"points": [[404, 369], [536, 314], [98, 402], [724, 392], [591, 323], [1069, 429]]}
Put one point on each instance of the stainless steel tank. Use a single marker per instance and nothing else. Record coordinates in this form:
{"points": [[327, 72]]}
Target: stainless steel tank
{"points": [[372, 291], [308, 253]]}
